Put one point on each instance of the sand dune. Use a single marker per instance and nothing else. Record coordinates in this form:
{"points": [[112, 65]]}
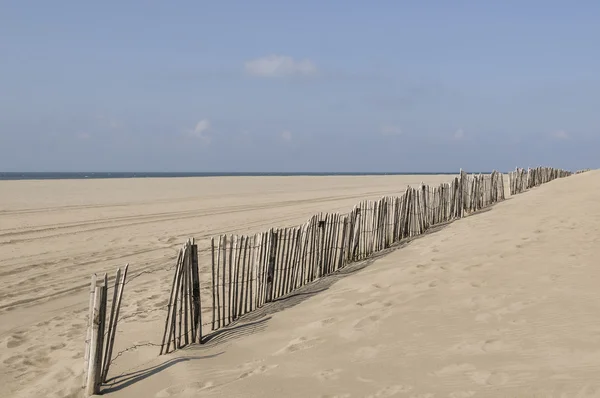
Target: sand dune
{"points": [[501, 304], [55, 234]]}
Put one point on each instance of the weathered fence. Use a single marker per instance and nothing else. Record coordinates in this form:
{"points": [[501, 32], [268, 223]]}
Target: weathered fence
{"points": [[248, 271], [184, 318], [102, 329], [245, 272], [521, 180], [581, 171]]}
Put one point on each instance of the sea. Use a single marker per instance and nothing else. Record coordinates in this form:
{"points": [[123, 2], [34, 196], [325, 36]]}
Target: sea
{"points": [[125, 174]]}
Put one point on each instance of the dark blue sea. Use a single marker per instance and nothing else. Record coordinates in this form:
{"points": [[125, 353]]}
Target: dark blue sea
{"points": [[97, 175]]}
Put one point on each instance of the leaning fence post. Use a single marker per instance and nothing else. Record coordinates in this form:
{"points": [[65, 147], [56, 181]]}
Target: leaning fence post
{"points": [[197, 311], [88, 341], [116, 306], [108, 348], [271, 266]]}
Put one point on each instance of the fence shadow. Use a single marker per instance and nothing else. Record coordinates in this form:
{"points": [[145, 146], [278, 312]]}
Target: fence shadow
{"points": [[256, 321], [122, 381]]}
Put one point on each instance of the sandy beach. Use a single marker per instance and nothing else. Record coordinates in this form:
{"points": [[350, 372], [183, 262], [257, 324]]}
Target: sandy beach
{"points": [[55, 234], [501, 303]]}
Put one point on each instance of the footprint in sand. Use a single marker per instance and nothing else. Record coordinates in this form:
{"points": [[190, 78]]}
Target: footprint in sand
{"points": [[493, 345], [12, 360], [328, 374], [375, 289], [367, 323], [184, 390], [257, 371], [473, 267], [478, 284], [15, 340], [322, 323], [298, 344]]}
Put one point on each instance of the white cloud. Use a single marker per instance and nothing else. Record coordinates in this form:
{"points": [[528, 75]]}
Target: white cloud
{"points": [[286, 135], [278, 66], [390, 130], [459, 134], [561, 135], [201, 131]]}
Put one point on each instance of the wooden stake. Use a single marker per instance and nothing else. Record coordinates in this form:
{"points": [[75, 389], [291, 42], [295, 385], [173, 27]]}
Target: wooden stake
{"points": [[196, 303], [259, 271], [247, 275], [234, 293], [229, 279], [173, 331], [107, 354], [185, 295], [271, 266], [214, 285], [94, 380], [86, 353], [224, 278], [120, 285], [170, 305]]}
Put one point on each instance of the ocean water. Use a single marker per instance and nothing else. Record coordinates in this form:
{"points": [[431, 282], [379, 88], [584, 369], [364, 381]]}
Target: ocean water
{"points": [[96, 175]]}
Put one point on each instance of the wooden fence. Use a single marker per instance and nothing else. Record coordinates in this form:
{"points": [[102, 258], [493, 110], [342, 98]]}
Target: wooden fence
{"points": [[521, 180], [248, 271], [184, 318], [102, 329]]}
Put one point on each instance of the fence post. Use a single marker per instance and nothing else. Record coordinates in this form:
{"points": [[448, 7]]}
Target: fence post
{"points": [[321, 247], [197, 313], [271, 266], [97, 339], [356, 233], [114, 319], [88, 341]]}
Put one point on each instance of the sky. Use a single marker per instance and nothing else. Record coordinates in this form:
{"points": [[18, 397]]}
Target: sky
{"points": [[316, 86]]}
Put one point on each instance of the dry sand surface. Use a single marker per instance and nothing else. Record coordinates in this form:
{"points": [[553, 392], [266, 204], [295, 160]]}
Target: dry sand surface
{"points": [[55, 234], [501, 304]]}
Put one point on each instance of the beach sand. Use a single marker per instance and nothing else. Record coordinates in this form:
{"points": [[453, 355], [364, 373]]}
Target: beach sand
{"points": [[54, 234], [499, 304]]}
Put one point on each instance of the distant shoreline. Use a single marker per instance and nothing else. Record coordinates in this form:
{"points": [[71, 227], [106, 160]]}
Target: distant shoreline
{"points": [[14, 176]]}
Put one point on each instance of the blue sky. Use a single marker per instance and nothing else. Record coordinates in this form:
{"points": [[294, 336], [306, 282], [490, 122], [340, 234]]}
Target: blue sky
{"points": [[298, 86]]}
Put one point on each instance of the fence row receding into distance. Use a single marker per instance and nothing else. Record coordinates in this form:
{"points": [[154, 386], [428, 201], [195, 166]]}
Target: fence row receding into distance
{"points": [[248, 271], [521, 180]]}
